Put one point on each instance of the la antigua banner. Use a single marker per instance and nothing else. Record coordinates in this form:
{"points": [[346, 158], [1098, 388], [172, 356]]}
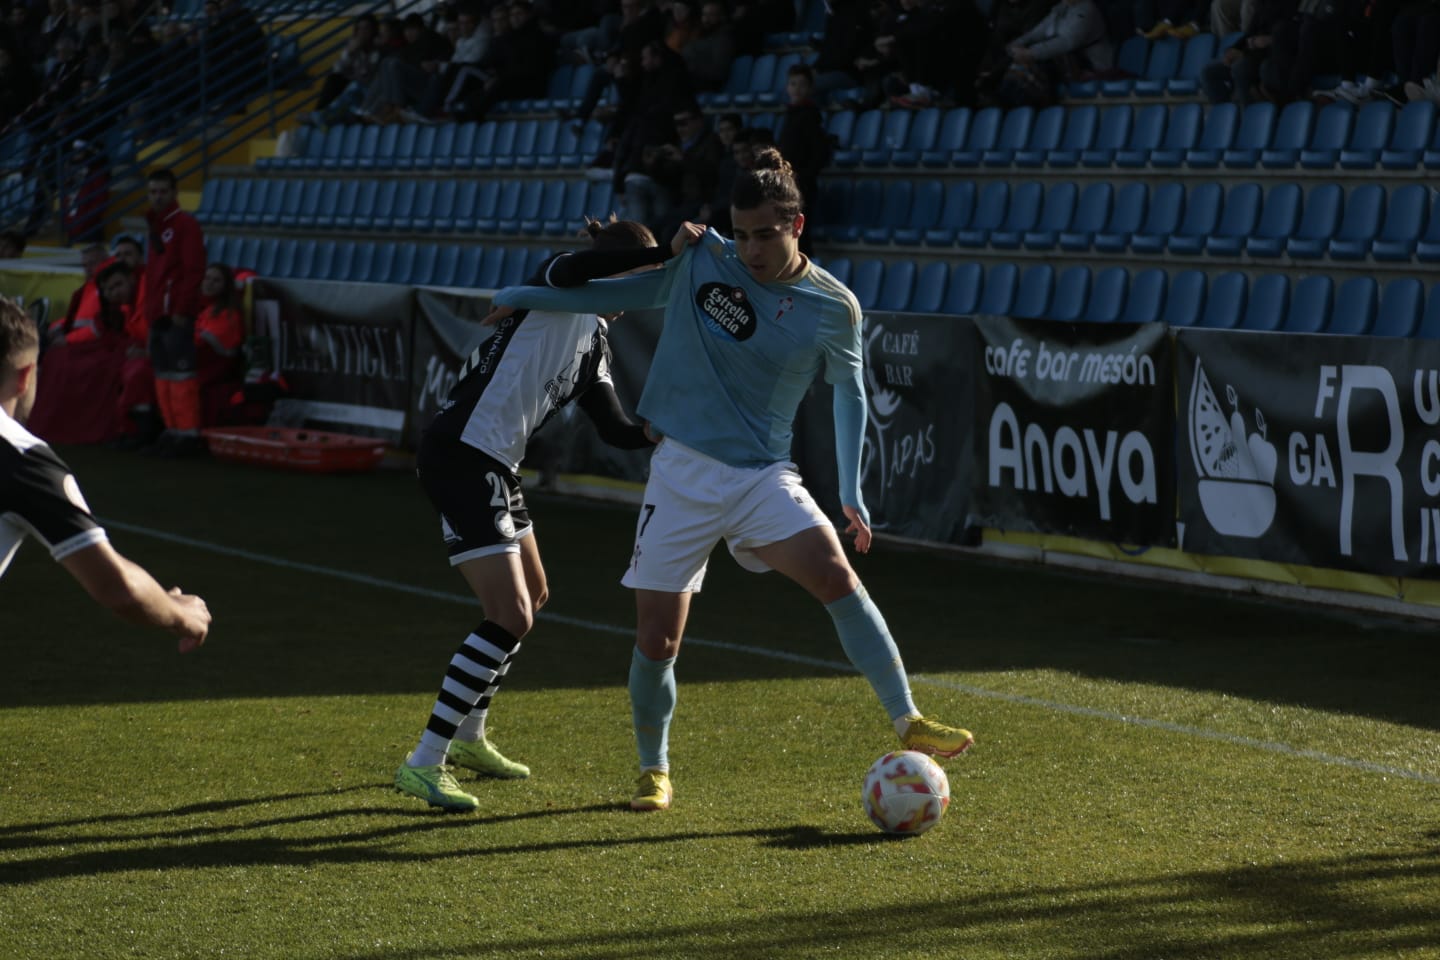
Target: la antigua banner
{"points": [[1314, 450], [1074, 430]]}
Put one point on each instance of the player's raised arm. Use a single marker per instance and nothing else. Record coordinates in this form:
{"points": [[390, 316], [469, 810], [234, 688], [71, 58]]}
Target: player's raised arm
{"points": [[127, 590]]}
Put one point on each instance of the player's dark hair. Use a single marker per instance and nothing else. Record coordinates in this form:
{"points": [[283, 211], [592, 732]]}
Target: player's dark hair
{"points": [[770, 180], [162, 175], [18, 334], [613, 234]]}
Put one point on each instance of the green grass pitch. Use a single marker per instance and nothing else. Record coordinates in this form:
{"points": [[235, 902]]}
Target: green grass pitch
{"points": [[1160, 774]]}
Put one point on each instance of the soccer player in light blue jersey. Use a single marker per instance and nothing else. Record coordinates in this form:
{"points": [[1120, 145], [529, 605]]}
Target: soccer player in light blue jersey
{"points": [[748, 326]]}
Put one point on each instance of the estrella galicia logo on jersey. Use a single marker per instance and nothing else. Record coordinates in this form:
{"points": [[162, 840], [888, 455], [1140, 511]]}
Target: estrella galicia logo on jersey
{"points": [[727, 310]]}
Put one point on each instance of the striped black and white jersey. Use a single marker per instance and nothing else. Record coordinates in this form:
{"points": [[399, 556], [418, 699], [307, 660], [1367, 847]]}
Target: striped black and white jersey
{"points": [[39, 497], [535, 363]]}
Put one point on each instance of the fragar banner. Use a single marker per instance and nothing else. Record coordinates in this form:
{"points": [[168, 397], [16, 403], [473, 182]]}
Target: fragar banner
{"points": [[917, 457], [1074, 430], [1314, 450], [344, 349], [448, 329]]}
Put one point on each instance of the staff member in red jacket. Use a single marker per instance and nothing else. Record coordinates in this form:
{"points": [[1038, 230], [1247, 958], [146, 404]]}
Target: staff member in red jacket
{"points": [[174, 268]]}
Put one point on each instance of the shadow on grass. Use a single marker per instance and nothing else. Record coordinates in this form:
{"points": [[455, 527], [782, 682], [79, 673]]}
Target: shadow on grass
{"points": [[277, 627]]}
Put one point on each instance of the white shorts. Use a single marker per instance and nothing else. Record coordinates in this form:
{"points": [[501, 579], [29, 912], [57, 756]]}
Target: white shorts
{"points": [[692, 501]]}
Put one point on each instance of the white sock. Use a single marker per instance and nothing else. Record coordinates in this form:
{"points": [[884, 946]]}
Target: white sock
{"points": [[903, 723], [471, 729], [424, 756]]}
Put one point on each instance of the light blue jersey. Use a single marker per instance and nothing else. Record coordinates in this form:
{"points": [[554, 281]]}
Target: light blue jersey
{"points": [[735, 356]]}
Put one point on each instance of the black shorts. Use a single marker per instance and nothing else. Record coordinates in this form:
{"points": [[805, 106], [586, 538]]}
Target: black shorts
{"points": [[482, 510]]}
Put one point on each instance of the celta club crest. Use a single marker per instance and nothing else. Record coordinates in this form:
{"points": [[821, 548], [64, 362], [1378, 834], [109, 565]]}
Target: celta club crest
{"points": [[786, 305]]}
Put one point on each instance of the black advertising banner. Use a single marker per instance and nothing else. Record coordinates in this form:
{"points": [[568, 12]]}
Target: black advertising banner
{"points": [[1314, 450], [1074, 426], [916, 460], [344, 349], [448, 328]]}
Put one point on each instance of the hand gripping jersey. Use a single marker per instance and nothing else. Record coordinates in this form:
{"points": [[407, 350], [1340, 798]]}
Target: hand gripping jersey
{"points": [[39, 496]]}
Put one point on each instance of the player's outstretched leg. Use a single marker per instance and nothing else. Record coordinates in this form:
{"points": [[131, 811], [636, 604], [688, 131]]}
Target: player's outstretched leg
{"points": [[652, 704], [867, 642]]}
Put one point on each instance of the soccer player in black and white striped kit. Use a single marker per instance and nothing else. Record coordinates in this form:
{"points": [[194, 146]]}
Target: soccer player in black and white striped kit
{"points": [[535, 363]]}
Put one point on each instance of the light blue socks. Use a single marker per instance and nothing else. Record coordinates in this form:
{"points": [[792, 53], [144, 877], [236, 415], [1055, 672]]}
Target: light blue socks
{"points": [[868, 644], [652, 704]]}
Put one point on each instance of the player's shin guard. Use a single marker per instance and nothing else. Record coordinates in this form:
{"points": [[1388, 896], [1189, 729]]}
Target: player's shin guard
{"points": [[871, 649], [472, 671], [652, 704]]}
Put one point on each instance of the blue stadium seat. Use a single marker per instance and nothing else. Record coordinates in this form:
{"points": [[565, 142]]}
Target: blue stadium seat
{"points": [[246, 253], [980, 136], [1292, 133], [402, 210], [1106, 302], [263, 205], [1145, 302], [896, 200], [291, 193], [865, 282], [468, 266], [898, 287], [956, 212], [990, 210], [1014, 134], [1168, 213], [1427, 249], [1001, 286], [480, 155], [1110, 137], [841, 269], [1431, 157], [1405, 220], [863, 138], [1162, 66], [1056, 214], [522, 145], [864, 207], [760, 81], [1020, 216], [216, 200], [379, 154], [924, 130], [1202, 213], [929, 291], [342, 261], [1184, 300], [1356, 303], [557, 90], [551, 206], [486, 274], [452, 211], [1360, 223], [1045, 135], [527, 208], [893, 132], [1399, 313], [1332, 132], [267, 257], [1146, 134], [1268, 303], [337, 204], [1216, 136], [447, 265], [398, 267], [1092, 211], [926, 206], [217, 247], [441, 149], [1257, 128], [421, 216], [1072, 293], [461, 149], [1414, 127], [1182, 133], [1132, 213], [1225, 301], [349, 146], [1319, 219], [501, 155], [1372, 132], [366, 148], [834, 206], [382, 262], [1238, 218], [1082, 120], [422, 268], [1310, 306], [543, 153], [954, 128], [514, 266], [1131, 58], [381, 211], [1278, 219], [413, 143], [497, 200], [1429, 328], [324, 263], [962, 291], [572, 211], [314, 145], [840, 128], [1199, 51], [1035, 292]]}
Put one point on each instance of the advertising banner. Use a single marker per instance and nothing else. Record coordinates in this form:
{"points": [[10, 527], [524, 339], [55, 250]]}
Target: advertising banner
{"points": [[1315, 450], [344, 349], [1074, 430]]}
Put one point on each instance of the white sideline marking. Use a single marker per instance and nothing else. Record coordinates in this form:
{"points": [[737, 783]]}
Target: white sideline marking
{"points": [[1270, 746]]}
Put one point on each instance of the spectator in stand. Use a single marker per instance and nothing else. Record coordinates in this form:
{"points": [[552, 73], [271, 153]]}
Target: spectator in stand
{"points": [[87, 194], [755, 19], [238, 50], [1415, 35], [122, 301], [519, 68], [84, 303], [1326, 36], [938, 45], [356, 65], [405, 75], [709, 55], [589, 42], [1069, 42], [697, 162], [1231, 16], [640, 24], [390, 36], [716, 210], [664, 90], [12, 244], [681, 25], [219, 335], [804, 142], [452, 84], [1240, 71], [1169, 18], [844, 41], [1009, 19], [174, 269]]}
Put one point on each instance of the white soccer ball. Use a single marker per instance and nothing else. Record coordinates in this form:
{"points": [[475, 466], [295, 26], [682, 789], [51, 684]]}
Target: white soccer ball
{"points": [[905, 792]]}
